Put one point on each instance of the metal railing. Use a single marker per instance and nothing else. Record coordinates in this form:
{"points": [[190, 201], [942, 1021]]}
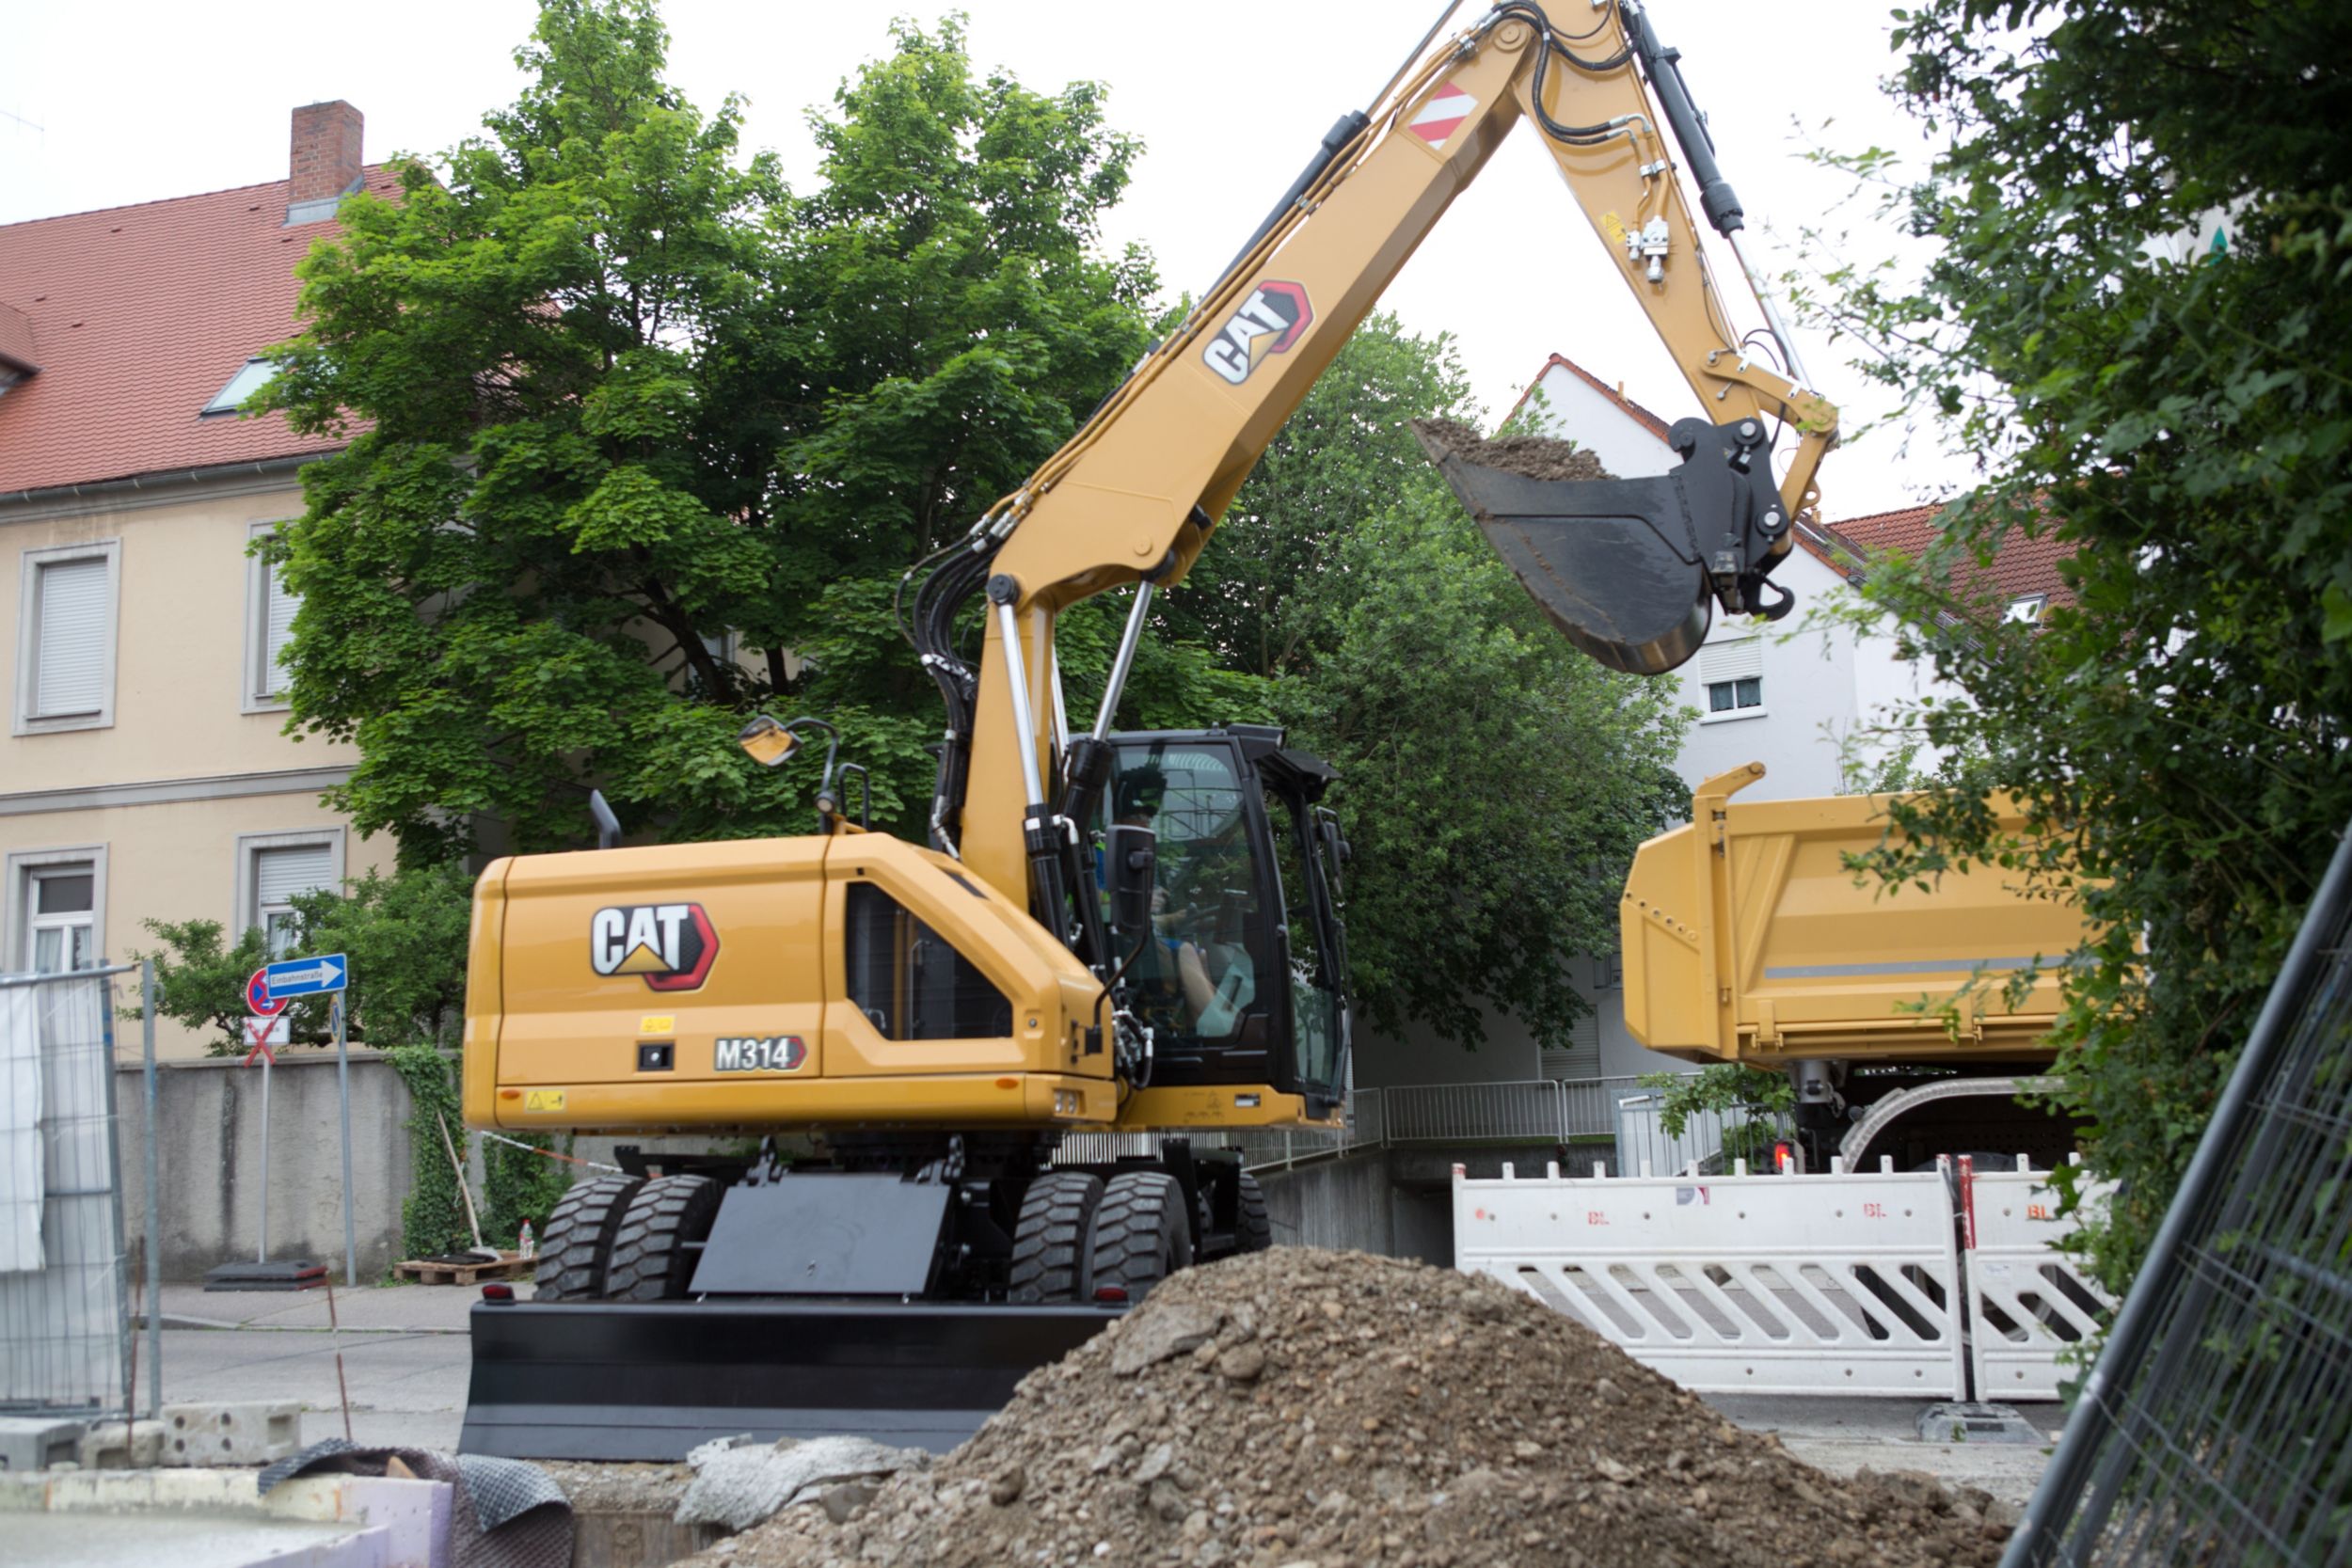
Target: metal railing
{"points": [[1519, 1113], [2216, 1424], [65, 1314]]}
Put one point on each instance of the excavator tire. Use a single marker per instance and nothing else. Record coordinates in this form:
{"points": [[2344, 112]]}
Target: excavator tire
{"points": [[579, 1240], [1052, 1241], [1253, 1228], [1141, 1234], [653, 1256]]}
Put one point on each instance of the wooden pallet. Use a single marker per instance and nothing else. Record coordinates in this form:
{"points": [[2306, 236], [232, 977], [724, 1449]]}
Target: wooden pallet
{"points": [[430, 1270]]}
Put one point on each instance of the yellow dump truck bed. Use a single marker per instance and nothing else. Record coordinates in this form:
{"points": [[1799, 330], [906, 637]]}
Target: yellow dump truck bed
{"points": [[1747, 938]]}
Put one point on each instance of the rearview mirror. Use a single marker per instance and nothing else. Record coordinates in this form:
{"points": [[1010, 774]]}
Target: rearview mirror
{"points": [[1131, 854]]}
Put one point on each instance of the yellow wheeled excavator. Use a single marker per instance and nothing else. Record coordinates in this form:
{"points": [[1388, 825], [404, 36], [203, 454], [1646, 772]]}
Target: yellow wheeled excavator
{"points": [[1105, 931]]}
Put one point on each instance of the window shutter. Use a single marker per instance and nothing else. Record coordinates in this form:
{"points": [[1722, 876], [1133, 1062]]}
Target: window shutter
{"points": [[71, 674], [1581, 1059], [279, 874], [277, 630], [1734, 658]]}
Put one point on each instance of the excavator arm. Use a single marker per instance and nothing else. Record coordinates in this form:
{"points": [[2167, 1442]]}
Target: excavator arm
{"points": [[1627, 568]]}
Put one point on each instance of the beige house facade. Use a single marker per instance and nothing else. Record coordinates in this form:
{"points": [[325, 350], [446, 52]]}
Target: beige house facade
{"points": [[145, 772]]}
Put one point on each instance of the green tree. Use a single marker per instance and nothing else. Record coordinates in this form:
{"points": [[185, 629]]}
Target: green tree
{"points": [[2174, 411], [200, 977], [638, 437], [405, 938], [1495, 782]]}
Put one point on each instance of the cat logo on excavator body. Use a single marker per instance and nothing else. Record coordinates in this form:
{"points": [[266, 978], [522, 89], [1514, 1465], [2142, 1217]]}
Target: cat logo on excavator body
{"points": [[1269, 322]]}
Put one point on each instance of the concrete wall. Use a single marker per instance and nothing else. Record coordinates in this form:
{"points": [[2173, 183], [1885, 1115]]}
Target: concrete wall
{"points": [[208, 1129], [1341, 1203]]}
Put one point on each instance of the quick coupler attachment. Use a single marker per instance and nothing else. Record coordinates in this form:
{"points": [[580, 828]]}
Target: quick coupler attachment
{"points": [[1629, 569]]}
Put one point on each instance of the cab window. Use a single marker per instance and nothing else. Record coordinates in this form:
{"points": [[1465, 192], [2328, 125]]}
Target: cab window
{"points": [[910, 982], [1205, 971]]}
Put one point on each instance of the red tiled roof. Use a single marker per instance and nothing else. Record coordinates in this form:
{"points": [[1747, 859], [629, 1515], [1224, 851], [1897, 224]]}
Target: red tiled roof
{"points": [[137, 316], [2022, 567]]}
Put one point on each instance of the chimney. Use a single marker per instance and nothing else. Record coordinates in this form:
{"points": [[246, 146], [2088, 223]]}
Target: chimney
{"points": [[325, 164]]}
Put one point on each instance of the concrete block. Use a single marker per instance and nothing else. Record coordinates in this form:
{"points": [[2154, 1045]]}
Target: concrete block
{"points": [[37, 1442], [225, 1432], [123, 1446]]}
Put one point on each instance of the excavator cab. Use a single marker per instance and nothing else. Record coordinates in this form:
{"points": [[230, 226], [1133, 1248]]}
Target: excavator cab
{"points": [[1241, 974]]}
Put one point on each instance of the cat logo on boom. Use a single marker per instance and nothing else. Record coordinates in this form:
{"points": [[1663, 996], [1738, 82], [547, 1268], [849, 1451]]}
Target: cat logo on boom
{"points": [[672, 945], [1269, 322]]}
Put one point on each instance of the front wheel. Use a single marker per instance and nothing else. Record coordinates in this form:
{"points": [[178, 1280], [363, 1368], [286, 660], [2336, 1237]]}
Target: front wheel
{"points": [[578, 1245], [1052, 1241], [1253, 1228], [654, 1252], [1141, 1234]]}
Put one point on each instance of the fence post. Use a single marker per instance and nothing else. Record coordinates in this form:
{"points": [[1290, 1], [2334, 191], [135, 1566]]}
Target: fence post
{"points": [[122, 1270], [155, 1197]]}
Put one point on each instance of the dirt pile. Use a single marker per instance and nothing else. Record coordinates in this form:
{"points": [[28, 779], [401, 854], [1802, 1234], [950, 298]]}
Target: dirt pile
{"points": [[1298, 1407], [1536, 456]]}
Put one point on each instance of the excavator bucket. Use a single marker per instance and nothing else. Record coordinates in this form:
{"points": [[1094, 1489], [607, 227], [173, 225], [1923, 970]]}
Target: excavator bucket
{"points": [[1611, 561], [648, 1381]]}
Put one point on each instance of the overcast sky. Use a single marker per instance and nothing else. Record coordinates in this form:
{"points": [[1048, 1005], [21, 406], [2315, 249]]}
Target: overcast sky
{"points": [[110, 103]]}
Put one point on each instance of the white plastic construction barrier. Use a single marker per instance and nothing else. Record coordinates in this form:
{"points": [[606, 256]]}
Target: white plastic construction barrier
{"points": [[2029, 1302], [1843, 1283]]}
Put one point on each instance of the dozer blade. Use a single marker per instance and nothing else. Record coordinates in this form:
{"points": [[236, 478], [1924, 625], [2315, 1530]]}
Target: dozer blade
{"points": [[609, 1380], [1610, 561]]}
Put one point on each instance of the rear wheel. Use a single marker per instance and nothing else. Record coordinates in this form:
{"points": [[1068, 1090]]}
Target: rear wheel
{"points": [[579, 1242], [653, 1252], [1051, 1244], [1141, 1234], [1253, 1228]]}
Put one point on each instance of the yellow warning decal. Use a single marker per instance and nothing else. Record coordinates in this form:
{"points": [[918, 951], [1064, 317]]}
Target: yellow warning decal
{"points": [[658, 1023], [543, 1099], [1614, 225]]}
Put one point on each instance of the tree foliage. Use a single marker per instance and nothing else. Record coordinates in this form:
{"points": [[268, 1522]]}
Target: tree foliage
{"points": [[2176, 414], [635, 431], [1495, 782]]}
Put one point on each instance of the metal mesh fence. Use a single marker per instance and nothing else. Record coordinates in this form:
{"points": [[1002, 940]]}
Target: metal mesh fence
{"points": [[65, 1329], [2217, 1425]]}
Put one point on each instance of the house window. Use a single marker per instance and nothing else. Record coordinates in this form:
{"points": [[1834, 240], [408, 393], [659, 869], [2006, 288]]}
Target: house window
{"points": [[276, 868], [1581, 1057], [269, 627], [55, 910], [61, 918], [1733, 673], [252, 378], [2029, 608], [65, 653]]}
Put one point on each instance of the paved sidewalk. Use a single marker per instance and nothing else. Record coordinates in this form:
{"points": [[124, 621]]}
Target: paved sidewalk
{"points": [[1842, 1434], [370, 1308]]}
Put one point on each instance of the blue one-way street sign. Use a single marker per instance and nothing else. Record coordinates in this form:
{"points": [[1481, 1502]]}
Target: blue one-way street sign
{"points": [[308, 977]]}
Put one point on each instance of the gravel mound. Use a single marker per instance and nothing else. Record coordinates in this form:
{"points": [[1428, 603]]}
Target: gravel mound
{"points": [[1296, 1407], [1536, 456]]}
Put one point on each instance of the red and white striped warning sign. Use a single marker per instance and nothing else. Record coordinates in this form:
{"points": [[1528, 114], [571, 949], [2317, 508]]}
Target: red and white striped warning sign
{"points": [[1437, 120]]}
